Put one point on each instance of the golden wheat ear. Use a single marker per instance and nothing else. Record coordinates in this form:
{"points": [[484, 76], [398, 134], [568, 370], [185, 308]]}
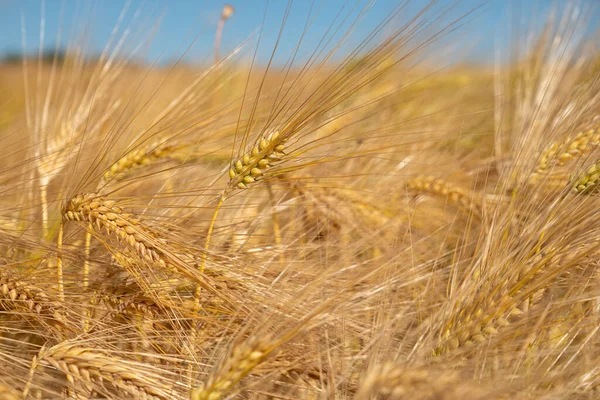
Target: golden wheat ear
{"points": [[589, 181], [89, 370], [389, 380], [101, 213], [251, 166], [561, 153], [17, 294], [463, 198], [138, 158], [239, 363]]}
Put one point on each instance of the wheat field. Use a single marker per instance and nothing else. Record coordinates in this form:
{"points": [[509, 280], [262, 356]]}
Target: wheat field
{"points": [[383, 224]]}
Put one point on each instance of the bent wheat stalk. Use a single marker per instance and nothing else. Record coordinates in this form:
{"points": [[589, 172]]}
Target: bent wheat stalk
{"points": [[244, 171]]}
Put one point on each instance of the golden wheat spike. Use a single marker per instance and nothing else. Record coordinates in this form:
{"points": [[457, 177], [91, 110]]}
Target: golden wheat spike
{"points": [[239, 363], [572, 147], [463, 198], [138, 158], [251, 166], [102, 213], [589, 181], [143, 241], [95, 370], [16, 294], [392, 381]]}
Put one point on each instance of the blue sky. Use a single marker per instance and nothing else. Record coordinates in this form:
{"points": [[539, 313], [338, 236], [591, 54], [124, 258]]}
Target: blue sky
{"points": [[182, 21]]}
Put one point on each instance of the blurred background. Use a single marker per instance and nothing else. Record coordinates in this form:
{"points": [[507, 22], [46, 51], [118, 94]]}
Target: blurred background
{"points": [[185, 29]]}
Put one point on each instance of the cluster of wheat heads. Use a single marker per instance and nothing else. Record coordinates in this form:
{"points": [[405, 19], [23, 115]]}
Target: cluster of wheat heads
{"points": [[361, 229]]}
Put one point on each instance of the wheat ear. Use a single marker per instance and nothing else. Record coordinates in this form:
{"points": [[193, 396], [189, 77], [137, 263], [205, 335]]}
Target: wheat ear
{"points": [[16, 293], [243, 358], [561, 152], [137, 158], [93, 369], [139, 238], [101, 213], [239, 363], [589, 181], [251, 166], [509, 297], [391, 381], [463, 198], [59, 270]]}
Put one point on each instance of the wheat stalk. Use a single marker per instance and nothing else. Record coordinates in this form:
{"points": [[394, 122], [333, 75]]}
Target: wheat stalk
{"points": [[59, 269], [244, 171], [226, 13]]}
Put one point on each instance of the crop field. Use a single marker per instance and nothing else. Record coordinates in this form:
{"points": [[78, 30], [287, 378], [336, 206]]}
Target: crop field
{"points": [[365, 220]]}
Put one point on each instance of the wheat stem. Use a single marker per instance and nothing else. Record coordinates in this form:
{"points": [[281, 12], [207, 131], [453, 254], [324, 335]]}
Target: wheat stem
{"points": [[196, 307], [86, 261], [59, 270], [276, 227], [226, 13], [44, 195], [206, 247], [210, 231]]}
